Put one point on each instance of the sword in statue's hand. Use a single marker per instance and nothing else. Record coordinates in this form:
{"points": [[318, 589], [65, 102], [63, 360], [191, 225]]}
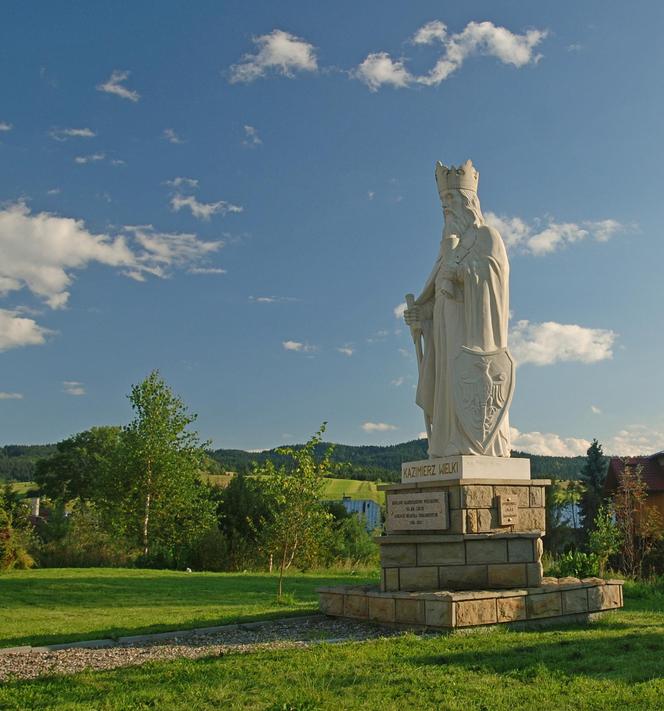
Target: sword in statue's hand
{"points": [[416, 333]]}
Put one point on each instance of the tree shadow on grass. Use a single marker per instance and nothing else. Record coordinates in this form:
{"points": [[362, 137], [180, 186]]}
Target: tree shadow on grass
{"points": [[601, 654], [213, 599]]}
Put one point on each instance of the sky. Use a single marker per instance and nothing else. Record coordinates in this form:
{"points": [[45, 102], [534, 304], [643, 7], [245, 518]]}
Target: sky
{"points": [[241, 194]]}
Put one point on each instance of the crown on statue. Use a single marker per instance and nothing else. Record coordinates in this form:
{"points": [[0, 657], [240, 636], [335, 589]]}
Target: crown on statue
{"points": [[465, 177]]}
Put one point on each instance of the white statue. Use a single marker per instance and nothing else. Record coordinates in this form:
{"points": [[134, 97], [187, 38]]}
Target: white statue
{"points": [[466, 373]]}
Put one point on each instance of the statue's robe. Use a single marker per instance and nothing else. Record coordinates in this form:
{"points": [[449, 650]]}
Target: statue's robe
{"points": [[465, 302]]}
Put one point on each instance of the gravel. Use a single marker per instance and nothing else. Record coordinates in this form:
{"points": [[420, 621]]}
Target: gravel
{"points": [[237, 639]]}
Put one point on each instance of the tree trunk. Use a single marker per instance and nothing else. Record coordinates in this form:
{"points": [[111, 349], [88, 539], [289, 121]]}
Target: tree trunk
{"points": [[146, 518], [271, 563], [282, 567]]}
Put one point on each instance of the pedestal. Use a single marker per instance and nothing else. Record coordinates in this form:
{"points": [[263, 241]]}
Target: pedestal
{"points": [[463, 547]]}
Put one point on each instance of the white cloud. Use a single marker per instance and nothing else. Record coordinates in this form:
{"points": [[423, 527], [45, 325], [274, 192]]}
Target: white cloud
{"points": [[377, 427], [251, 137], [400, 310], [39, 252], [550, 342], [398, 382], [11, 396], [95, 157], [371, 194], [422, 435], [279, 51], [298, 347], [434, 30], [163, 250], [380, 69], [548, 443], [206, 270], [477, 38], [62, 134], [73, 387], [17, 331], [4, 126], [271, 299], [54, 191], [544, 237], [635, 440], [595, 410], [181, 182], [114, 86], [170, 136], [203, 210], [346, 350]]}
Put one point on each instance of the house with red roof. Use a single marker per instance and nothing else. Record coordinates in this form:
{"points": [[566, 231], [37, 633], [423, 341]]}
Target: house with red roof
{"points": [[652, 473]]}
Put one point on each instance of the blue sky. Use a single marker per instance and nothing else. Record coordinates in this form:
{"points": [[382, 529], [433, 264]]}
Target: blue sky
{"points": [[241, 194]]}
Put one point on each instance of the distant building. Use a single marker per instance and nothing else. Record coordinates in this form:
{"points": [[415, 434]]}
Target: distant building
{"points": [[652, 472], [367, 508]]}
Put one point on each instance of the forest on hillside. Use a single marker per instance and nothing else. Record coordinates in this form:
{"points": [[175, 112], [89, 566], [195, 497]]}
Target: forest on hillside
{"points": [[364, 462]]}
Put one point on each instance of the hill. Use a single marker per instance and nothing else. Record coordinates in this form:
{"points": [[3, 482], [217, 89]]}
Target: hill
{"points": [[372, 463], [363, 463]]}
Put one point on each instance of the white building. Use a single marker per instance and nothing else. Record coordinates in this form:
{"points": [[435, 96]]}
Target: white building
{"points": [[367, 508]]}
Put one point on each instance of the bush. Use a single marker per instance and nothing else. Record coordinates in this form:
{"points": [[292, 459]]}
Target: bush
{"points": [[210, 552], [575, 564], [17, 539], [85, 544]]}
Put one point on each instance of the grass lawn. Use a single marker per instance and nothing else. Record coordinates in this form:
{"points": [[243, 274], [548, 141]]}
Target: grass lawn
{"points": [[613, 664], [66, 604]]}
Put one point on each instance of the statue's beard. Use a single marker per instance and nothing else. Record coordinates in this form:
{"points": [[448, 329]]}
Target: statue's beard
{"points": [[456, 226]]}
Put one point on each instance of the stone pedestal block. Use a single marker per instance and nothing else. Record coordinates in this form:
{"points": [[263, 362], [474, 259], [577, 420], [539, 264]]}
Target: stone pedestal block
{"points": [[556, 601]]}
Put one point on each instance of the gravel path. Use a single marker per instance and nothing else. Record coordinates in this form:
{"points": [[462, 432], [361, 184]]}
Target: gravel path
{"points": [[238, 639]]}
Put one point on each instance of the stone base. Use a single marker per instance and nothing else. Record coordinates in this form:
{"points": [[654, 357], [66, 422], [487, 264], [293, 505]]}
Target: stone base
{"points": [[413, 562], [556, 601]]}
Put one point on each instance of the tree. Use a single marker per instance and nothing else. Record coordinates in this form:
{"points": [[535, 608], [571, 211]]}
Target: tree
{"points": [[298, 520], [593, 475], [81, 465], [161, 501], [640, 525]]}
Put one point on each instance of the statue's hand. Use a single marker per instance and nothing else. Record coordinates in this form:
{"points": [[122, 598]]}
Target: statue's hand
{"points": [[412, 316]]}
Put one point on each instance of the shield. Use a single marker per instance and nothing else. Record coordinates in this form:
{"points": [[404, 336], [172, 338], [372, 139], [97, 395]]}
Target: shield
{"points": [[483, 388]]}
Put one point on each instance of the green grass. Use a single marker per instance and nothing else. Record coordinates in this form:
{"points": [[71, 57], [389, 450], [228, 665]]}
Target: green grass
{"points": [[338, 488], [23, 487], [613, 664], [65, 604]]}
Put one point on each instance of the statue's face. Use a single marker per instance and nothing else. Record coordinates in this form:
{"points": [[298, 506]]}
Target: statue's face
{"points": [[454, 210]]}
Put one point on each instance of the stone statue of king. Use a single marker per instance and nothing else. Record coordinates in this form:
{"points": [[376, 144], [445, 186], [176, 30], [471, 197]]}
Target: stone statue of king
{"points": [[459, 326]]}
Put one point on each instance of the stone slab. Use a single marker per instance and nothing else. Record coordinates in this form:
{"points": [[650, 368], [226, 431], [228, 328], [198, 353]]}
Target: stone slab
{"points": [[466, 481], [465, 467]]}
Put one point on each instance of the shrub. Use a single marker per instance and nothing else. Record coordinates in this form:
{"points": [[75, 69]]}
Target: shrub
{"points": [[210, 552], [85, 544], [575, 564]]}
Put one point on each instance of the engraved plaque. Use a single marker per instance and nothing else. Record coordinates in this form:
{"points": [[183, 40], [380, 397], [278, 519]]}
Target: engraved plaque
{"points": [[508, 510], [418, 512]]}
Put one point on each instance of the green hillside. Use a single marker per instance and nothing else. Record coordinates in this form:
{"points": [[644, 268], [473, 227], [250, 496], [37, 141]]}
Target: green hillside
{"points": [[338, 488]]}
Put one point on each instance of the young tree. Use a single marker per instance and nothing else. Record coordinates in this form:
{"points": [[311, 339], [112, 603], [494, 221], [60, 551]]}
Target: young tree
{"points": [[298, 520], [640, 525], [605, 538], [161, 500], [593, 475]]}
